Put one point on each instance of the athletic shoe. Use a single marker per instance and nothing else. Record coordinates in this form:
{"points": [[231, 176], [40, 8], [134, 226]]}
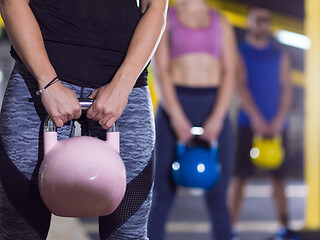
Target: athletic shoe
{"points": [[285, 234], [235, 234]]}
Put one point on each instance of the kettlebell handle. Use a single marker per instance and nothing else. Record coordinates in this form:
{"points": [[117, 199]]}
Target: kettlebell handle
{"points": [[258, 137], [50, 130], [85, 103], [196, 131], [182, 148]]}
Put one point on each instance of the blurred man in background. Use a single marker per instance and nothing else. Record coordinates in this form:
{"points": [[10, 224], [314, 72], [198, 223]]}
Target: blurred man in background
{"points": [[265, 92]]}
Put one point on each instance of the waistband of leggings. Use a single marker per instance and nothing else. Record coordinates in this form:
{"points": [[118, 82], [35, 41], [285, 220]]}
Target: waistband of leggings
{"points": [[196, 90]]}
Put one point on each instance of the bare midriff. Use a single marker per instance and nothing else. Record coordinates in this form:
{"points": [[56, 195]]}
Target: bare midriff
{"points": [[196, 70]]}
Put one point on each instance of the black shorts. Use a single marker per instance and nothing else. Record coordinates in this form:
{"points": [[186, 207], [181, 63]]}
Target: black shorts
{"points": [[244, 168]]}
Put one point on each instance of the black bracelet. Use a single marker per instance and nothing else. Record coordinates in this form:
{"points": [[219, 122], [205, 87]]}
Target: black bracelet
{"points": [[53, 81]]}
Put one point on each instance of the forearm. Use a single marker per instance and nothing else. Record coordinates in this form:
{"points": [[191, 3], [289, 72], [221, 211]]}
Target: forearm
{"points": [[143, 44], [247, 102], [26, 38], [286, 89], [168, 95], [285, 103], [224, 97], [229, 64]]}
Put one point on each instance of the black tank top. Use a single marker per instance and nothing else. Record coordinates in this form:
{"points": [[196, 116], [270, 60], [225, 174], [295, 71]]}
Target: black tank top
{"points": [[87, 40]]}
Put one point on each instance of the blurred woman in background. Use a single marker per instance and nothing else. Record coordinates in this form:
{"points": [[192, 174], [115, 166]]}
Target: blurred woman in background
{"points": [[195, 68]]}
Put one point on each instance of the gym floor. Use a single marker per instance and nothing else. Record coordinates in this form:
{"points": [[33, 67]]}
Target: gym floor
{"points": [[189, 220]]}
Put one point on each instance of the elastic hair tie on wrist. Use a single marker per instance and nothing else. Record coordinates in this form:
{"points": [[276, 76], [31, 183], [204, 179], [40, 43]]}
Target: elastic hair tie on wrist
{"points": [[53, 81]]}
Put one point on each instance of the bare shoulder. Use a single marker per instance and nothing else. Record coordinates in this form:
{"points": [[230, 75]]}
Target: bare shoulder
{"points": [[225, 24], [163, 4]]}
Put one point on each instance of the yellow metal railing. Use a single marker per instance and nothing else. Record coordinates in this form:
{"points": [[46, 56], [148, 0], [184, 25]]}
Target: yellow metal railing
{"points": [[1, 22], [312, 116], [237, 13]]}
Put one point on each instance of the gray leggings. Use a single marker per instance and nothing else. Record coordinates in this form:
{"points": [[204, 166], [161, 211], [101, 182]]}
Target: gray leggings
{"points": [[22, 212]]}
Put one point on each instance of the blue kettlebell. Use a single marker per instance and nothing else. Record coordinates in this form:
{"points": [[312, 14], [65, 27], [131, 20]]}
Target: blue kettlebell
{"points": [[197, 164]]}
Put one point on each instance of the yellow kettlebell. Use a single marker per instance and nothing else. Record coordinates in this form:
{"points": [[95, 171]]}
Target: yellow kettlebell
{"points": [[267, 153]]}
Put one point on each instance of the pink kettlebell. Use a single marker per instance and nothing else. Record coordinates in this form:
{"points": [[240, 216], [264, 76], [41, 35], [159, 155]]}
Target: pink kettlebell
{"points": [[81, 176]]}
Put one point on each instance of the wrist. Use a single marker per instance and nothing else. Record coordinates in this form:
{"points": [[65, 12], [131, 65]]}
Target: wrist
{"points": [[215, 117], [43, 80], [125, 77], [280, 117], [53, 81], [256, 116], [176, 115], [278, 121], [44, 73]]}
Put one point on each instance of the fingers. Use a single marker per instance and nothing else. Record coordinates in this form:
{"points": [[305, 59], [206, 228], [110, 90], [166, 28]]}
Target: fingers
{"points": [[93, 94], [184, 138], [260, 129], [71, 111], [209, 136], [67, 113], [58, 122], [182, 131], [93, 110], [184, 135], [61, 104], [109, 123], [275, 132], [211, 132], [77, 113], [108, 105], [105, 116], [69, 117]]}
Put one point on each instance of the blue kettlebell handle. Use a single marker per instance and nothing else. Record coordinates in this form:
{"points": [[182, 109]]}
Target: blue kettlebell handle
{"points": [[196, 131], [181, 148]]}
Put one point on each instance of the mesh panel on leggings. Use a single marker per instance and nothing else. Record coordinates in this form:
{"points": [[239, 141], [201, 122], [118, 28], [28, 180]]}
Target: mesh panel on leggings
{"points": [[24, 195], [136, 193]]}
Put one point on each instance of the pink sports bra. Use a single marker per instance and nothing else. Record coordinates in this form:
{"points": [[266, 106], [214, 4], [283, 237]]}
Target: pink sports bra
{"points": [[184, 39]]}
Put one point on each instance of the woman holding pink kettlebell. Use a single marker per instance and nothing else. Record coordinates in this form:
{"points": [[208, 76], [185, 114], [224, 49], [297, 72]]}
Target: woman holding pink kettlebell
{"points": [[65, 50]]}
